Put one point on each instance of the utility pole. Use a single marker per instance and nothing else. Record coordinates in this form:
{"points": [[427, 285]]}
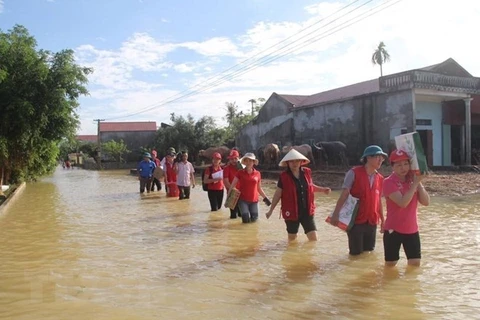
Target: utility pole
{"points": [[99, 144]]}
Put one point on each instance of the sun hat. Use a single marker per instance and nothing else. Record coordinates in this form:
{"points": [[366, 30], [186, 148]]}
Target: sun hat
{"points": [[373, 150], [147, 155], [293, 155], [398, 155], [217, 155], [233, 154], [250, 156]]}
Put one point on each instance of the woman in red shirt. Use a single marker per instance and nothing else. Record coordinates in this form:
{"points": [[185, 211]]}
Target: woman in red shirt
{"points": [[296, 189], [214, 185], [250, 181]]}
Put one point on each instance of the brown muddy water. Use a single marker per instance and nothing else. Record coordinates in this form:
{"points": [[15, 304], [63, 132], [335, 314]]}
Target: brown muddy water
{"points": [[85, 245]]}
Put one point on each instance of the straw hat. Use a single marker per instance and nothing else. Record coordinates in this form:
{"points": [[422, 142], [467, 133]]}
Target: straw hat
{"points": [[250, 156], [293, 155]]}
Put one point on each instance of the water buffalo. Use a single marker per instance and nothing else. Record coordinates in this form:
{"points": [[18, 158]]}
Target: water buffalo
{"points": [[304, 149], [259, 154], [208, 153], [332, 152], [271, 155]]}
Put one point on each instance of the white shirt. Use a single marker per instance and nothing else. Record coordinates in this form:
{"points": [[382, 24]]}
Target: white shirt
{"points": [[185, 169]]}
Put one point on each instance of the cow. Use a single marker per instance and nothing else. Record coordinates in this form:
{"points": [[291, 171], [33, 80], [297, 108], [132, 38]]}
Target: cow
{"points": [[259, 154], [304, 149], [207, 154], [271, 155], [332, 152]]}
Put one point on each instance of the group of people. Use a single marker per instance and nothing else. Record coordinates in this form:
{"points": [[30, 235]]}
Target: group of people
{"points": [[403, 190], [295, 192], [174, 169]]}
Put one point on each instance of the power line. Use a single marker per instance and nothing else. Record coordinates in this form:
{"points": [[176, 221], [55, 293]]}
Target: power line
{"points": [[268, 58], [208, 80]]}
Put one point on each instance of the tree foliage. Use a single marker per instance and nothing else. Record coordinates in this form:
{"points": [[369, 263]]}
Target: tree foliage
{"points": [[116, 149], [39, 93], [186, 134]]}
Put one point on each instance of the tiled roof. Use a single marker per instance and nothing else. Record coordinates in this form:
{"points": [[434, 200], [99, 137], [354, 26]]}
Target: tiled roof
{"points": [[128, 126], [447, 67], [87, 137], [293, 99], [350, 91]]}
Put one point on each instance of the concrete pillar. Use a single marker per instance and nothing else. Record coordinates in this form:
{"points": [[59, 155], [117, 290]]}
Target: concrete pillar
{"points": [[468, 132]]}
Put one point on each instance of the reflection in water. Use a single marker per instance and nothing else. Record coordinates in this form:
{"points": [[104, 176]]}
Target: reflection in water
{"points": [[85, 245]]}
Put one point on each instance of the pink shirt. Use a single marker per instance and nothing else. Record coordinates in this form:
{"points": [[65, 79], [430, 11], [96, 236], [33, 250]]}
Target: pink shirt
{"points": [[184, 172], [401, 220]]}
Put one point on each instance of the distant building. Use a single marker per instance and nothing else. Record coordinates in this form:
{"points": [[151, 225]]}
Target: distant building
{"points": [[134, 134], [87, 138], [441, 102]]}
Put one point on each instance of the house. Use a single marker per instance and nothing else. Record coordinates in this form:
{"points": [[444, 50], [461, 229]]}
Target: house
{"points": [[135, 135], [441, 102], [87, 138]]}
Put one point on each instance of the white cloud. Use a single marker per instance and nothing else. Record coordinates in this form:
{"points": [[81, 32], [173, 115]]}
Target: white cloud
{"points": [[183, 68], [417, 34], [1, 6], [213, 47]]}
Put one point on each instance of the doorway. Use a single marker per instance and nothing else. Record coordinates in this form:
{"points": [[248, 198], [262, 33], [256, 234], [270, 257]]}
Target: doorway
{"points": [[426, 137]]}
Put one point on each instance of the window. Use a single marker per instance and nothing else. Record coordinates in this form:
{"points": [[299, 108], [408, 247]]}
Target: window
{"points": [[424, 122]]}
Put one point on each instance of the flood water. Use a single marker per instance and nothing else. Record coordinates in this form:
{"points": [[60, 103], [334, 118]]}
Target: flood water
{"points": [[85, 245]]}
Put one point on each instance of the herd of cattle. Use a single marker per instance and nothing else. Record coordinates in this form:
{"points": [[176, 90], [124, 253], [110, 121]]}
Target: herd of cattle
{"points": [[323, 152]]}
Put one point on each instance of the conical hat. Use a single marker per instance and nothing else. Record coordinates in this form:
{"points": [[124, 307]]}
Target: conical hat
{"points": [[293, 155]]}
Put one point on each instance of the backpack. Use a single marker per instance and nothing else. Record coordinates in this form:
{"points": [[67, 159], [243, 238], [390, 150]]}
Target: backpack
{"points": [[205, 185]]}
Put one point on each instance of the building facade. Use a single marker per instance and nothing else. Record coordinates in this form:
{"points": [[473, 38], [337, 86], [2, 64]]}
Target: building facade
{"points": [[441, 102]]}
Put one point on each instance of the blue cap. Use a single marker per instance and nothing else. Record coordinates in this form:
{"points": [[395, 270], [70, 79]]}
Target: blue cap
{"points": [[147, 155], [374, 150]]}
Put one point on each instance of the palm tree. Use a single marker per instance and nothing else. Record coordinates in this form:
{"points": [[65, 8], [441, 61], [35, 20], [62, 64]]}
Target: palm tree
{"points": [[380, 56], [252, 101]]}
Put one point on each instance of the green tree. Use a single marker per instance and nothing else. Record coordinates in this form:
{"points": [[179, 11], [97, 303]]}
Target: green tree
{"points": [[380, 56], [116, 149], [39, 93]]}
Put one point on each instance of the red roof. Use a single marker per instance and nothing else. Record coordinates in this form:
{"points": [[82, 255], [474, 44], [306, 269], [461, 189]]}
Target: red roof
{"points": [[87, 137], [128, 126]]}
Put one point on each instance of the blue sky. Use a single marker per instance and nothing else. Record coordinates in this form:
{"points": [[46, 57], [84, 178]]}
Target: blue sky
{"points": [[146, 52]]}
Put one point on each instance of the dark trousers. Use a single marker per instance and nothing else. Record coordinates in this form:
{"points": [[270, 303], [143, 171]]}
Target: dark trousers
{"points": [[184, 192], [235, 212], [145, 182], [361, 238], [157, 183], [216, 199]]}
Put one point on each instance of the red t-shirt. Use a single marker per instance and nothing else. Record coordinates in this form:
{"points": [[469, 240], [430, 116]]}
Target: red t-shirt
{"points": [[216, 185], [230, 172], [248, 185]]}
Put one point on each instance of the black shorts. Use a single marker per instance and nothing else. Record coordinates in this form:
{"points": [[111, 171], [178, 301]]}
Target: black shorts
{"points": [[361, 238], [393, 241], [307, 222]]}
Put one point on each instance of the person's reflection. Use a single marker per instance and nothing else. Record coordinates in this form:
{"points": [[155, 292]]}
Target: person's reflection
{"points": [[398, 288], [244, 241], [299, 264]]}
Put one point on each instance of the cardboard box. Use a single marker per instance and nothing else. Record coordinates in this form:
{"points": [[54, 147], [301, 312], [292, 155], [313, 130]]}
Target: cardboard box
{"points": [[232, 199], [347, 215], [412, 145]]}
